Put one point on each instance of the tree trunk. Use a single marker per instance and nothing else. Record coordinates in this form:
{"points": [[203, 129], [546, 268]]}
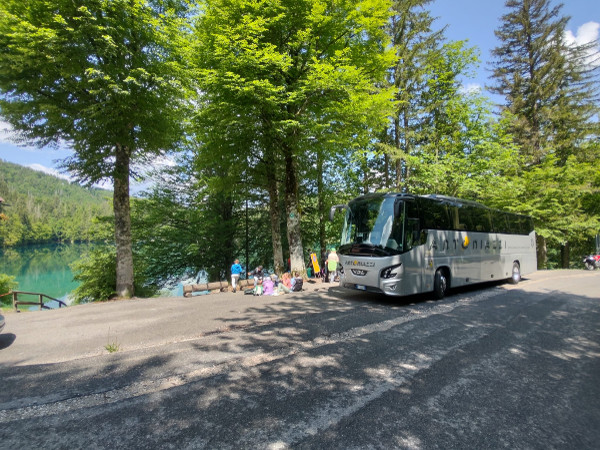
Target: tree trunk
{"points": [[275, 221], [293, 213], [323, 216], [124, 286], [565, 255], [542, 252], [398, 162], [228, 245], [405, 151]]}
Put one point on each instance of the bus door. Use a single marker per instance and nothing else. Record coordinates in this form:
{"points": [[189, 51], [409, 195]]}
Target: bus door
{"points": [[413, 257]]}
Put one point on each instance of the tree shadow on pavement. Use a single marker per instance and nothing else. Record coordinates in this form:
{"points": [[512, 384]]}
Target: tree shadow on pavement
{"points": [[338, 370]]}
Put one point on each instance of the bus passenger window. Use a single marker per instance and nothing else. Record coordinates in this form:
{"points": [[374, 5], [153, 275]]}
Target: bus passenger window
{"points": [[412, 233]]}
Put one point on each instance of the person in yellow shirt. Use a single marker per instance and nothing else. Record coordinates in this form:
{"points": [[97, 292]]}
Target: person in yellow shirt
{"points": [[332, 265]]}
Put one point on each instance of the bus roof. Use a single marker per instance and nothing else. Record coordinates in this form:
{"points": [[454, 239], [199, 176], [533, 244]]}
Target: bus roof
{"points": [[454, 201], [437, 197]]}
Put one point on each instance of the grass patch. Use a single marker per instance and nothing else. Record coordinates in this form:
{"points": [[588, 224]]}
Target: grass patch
{"points": [[111, 346]]}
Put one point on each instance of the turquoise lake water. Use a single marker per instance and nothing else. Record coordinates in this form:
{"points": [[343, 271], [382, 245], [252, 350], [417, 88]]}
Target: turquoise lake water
{"points": [[43, 269]]}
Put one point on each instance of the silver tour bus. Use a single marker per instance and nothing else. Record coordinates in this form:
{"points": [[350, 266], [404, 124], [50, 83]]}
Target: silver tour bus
{"points": [[402, 244]]}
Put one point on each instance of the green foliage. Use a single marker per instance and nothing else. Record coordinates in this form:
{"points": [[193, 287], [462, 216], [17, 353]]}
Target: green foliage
{"points": [[559, 197], [44, 208], [112, 347], [529, 64], [7, 284], [551, 94], [183, 227], [280, 79], [105, 77], [94, 74], [549, 85], [97, 274], [284, 100]]}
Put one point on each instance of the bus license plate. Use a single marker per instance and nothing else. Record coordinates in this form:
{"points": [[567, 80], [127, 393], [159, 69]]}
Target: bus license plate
{"points": [[360, 287]]}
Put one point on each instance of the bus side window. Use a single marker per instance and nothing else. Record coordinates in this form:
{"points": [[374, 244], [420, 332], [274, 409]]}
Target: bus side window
{"points": [[453, 217], [412, 233]]}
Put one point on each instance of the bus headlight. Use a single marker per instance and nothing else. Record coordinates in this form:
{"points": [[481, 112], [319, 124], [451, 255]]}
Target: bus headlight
{"points": [[390, 272]]}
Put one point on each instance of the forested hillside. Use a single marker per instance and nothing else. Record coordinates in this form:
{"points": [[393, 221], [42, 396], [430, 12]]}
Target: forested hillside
{"points": [[40, 208]]}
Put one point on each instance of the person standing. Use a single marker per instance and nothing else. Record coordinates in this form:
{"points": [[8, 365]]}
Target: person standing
{"points": [[236, 270], [332, 265]]}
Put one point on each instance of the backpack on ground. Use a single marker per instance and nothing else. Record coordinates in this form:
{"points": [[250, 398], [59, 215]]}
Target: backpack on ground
{"points": [[297, 285]]}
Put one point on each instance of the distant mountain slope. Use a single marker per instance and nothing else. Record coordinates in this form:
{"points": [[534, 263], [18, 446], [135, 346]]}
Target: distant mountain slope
{"points": [[41, 208]]}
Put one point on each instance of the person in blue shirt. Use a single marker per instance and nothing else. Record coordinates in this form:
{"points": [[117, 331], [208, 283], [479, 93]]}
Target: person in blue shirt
{"points": [[236, 269]]}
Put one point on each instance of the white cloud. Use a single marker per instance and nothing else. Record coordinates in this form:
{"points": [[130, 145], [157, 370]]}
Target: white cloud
{"points": [[165, 161], [49, 171], [6, 132], [471, 88], [586, 34]]}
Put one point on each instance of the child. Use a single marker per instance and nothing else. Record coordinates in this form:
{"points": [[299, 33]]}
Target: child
{"points": [[236, 270], [258, 288], [268, 286]]}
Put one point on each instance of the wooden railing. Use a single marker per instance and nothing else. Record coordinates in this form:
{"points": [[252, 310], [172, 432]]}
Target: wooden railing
{"points": [[40, 302]]}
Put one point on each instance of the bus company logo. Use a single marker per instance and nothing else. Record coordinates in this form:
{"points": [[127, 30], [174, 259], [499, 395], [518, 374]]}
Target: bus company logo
{"points": [[360, 263], [466, 242]]}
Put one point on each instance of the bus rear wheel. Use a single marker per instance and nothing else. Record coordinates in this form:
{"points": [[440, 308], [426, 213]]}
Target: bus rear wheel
{"points": [[516, 273], [440, 284]]}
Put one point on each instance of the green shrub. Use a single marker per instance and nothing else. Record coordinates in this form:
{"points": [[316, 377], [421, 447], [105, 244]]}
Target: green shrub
{"points": [[7, 284], [97, 274]]}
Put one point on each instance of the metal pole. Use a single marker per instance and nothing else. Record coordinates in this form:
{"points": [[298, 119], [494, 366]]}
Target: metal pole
{"points": [[247, 231]]}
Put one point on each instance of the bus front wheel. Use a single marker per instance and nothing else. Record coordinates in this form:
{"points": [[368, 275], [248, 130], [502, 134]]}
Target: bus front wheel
{"points": [[516, 273], [440, 284]]}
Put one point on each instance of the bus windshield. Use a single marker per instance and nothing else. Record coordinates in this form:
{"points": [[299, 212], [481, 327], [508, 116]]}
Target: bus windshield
{"points": [[371, 229]]}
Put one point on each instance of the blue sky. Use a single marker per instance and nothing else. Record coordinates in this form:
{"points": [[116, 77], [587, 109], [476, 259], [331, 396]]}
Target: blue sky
{"points": [[476, 20], [472, 20]]}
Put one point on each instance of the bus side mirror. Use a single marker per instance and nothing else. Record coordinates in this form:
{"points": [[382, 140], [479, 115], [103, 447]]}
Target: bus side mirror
{"points": [[333, 209], [397, 209]]}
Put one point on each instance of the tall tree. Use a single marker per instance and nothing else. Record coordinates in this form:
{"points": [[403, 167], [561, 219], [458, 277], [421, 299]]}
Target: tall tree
{"points": [[416, 45], [294, 66], [551, 92], [547, 86], [101, 77]]}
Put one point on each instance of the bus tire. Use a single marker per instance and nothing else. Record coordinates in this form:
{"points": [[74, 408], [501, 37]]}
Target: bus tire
{"points": [[516, 273], [440, 284]]}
